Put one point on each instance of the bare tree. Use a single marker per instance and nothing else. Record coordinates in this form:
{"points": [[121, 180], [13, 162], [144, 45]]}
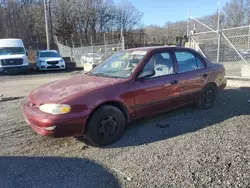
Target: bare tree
{"points": [[84, 19], [65, 18], [237, 13]]}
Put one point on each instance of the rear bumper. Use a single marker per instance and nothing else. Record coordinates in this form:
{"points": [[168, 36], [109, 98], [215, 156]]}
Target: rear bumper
{"points": [[53, 125], [223, 85], [15, 69]]}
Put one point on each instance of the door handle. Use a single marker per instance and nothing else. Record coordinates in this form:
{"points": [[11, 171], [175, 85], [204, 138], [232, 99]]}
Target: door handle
{"points": [[174, 82], [205, 75]]}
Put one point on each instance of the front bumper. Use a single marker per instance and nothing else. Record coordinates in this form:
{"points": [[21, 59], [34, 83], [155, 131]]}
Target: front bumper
{"points": [[15, 69], [45, 66], [54, 125]]}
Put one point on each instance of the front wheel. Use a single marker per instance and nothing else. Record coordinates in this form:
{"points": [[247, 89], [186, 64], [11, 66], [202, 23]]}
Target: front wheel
{"points": [[207, 98], [105, 126]]}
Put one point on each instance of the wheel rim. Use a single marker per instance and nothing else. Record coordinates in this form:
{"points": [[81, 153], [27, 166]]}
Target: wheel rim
{"points": [[107, 127], [208, 96]]}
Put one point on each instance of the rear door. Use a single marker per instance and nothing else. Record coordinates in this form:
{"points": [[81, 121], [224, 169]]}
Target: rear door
{"points": [[154, 94], [192, 73]]}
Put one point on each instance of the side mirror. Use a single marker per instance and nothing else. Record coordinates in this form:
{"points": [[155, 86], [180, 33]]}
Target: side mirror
{"points": [[146, 74], [27, 54]]}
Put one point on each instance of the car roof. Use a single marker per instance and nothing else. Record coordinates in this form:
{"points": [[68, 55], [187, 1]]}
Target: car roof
{"points": [[48, 51], [151, 48], [11, 42]]}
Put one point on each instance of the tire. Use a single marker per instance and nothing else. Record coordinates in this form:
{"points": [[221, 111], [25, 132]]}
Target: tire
{"points": [[207, 97], [105, 126]]}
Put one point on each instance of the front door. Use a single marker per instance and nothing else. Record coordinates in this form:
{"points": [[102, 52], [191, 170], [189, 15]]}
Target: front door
{"points": [[154, 94]]}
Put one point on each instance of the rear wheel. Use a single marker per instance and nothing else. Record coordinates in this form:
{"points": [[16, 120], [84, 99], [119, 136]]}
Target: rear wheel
{"points": [[208, 97], [105, 126]]}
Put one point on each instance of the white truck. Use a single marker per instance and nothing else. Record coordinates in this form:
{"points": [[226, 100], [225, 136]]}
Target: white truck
{"points": [[13, 56]]}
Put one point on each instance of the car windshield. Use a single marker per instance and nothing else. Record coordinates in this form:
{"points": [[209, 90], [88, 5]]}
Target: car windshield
{"points": [[121, 64], [49, 54], [11, 50]]}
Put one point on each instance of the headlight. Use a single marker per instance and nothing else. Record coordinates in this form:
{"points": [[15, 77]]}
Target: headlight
{"points": [[42, 62], [55, 108], [26, 61], [61, 61]]}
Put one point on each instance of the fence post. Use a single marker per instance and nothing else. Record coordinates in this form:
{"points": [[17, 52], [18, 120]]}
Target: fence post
{"points": [[249, 37], [105, 52], [73, 47], [219, 35], [91, 41], [188, 29], [123, 42], [81, 46]]}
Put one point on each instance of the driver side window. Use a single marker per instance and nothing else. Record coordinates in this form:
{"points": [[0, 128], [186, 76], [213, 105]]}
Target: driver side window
{"points": [[161, 63]]}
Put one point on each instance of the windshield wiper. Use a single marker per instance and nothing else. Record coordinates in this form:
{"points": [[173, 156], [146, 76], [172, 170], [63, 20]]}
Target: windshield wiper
{"points": [[104, 75], [90, 73]]}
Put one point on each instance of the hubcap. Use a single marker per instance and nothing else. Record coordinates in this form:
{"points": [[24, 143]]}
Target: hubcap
{"points": [[107, 127]]}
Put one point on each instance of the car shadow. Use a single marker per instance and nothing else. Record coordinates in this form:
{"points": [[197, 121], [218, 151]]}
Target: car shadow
{"points": [[229, 103], [53, 172]]}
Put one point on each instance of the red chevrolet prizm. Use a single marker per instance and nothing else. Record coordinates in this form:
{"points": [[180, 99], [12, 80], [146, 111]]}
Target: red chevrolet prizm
{"points": [[130, 84]]}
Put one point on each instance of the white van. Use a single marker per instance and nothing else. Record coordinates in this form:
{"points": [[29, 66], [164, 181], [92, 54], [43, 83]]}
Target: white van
{"points": [[13, 56]]}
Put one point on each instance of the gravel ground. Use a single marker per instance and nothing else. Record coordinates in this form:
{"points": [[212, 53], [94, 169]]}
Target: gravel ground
{"points": [[184, 148], [34, 74]]}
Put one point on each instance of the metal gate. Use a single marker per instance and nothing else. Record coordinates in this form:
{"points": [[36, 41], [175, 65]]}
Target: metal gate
{"points": [[230, 46], [76, 51]]}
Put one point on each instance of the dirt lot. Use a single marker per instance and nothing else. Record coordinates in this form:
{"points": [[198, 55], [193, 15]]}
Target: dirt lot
{"points": [[184, 148]]}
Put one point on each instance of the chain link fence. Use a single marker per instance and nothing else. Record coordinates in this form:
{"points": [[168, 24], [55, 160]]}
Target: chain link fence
{"points": [[92, 53], [230, 46]]}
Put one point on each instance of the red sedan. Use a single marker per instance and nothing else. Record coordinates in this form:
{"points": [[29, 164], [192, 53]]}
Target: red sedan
{"points": [[130, 84]]}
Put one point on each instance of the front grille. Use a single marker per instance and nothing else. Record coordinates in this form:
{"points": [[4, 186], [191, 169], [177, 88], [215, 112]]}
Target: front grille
{"points": [[12, 61], [53, 67], [52, 62]]}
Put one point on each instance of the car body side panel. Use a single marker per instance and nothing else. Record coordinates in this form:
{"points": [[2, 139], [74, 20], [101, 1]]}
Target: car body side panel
{"points": [[86, 93]]}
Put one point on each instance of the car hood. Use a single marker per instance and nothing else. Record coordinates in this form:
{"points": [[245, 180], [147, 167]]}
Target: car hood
{"points": [[17, 56], [50, 58], [60, 90]]}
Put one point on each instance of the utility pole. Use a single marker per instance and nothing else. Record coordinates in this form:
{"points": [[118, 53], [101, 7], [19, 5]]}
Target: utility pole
{"points": [[46, 23], [219, 33], [51, 25]]}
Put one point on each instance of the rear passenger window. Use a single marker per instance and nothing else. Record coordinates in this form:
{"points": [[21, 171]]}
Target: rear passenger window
{"points": [[199, 62], [188, 62]]}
